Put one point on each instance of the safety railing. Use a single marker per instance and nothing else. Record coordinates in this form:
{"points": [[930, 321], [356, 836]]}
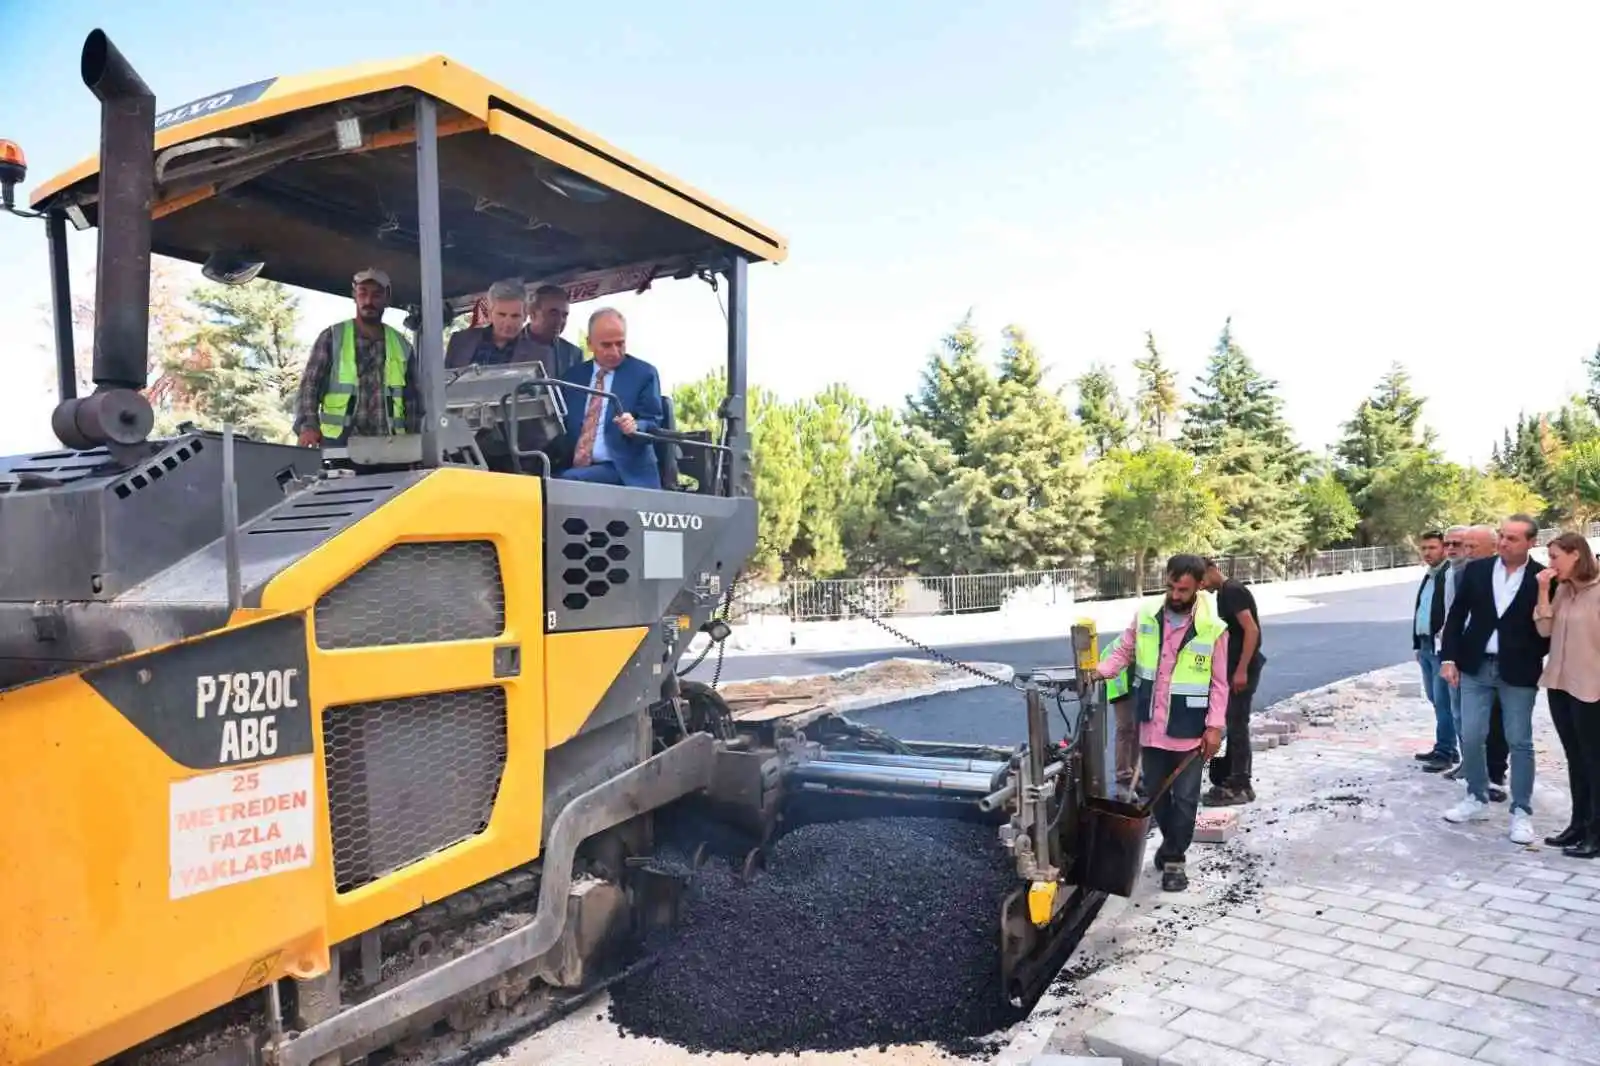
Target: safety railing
{"points": [[817, 600]]}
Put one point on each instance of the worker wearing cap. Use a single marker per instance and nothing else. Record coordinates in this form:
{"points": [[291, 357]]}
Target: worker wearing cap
{"points": [[361, 377]]}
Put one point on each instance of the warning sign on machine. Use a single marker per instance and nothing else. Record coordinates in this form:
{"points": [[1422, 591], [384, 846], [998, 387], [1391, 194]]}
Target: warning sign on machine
{"points": [[239, 825]]}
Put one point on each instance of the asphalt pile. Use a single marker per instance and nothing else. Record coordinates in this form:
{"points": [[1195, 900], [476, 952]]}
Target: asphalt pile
{"points": [[858, 934]]}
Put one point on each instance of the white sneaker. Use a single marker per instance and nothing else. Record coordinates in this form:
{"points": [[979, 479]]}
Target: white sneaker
{"points": [[1470, 809], [1521, 828]]}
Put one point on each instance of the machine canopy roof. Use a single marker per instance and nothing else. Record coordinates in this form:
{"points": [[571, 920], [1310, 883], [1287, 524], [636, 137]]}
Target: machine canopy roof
{"points": [[276, 171]]}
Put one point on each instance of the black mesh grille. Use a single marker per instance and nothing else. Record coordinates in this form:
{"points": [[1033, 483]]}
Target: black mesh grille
{"points": [[414, 594], [595, 559], [409, 777]]}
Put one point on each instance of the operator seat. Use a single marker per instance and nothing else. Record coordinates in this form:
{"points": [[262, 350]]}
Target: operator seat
{"points": [[667, 451]]}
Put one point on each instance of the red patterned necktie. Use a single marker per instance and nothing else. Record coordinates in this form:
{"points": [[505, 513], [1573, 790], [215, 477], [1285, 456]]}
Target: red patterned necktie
{"points": [[591, 425]]}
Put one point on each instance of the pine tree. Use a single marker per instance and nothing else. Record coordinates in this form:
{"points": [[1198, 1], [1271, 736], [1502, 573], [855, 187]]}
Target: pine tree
{"points": [[1156, 399], [1101, 412], [1386, 426], [242, 365], [990, 472], [1236, 427]]}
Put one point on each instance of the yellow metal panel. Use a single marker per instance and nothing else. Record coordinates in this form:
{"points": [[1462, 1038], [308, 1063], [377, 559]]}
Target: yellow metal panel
{"points": [[471, 93], [449, 504], [582, 667], [97, 957]]}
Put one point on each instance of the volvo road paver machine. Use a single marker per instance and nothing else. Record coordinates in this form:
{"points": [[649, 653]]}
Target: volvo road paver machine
{"points": [[306, 755]]}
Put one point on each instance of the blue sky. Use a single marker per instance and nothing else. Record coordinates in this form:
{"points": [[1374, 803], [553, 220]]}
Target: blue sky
{"points": [[1353, 183]]}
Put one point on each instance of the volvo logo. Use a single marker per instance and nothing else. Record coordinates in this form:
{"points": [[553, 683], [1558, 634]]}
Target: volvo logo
{"points": [[662, 520]]}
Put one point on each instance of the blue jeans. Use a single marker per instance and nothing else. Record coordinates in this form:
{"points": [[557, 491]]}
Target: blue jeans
{"points": [[1516, 710], [1438, 692]]}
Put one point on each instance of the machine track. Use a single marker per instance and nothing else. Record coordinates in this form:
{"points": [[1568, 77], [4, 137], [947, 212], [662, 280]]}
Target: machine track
{"points": [[396, 952]]}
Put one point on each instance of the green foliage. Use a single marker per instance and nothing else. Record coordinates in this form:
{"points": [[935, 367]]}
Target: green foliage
{"points": [[1155, 400], [1101, 412], [1384, 428], [1154, 504], [242, 363], [1575, 482], [1487, 497], [816, 471], [1407, 495], [990, 473], [1236, 428], [1331, 516]]}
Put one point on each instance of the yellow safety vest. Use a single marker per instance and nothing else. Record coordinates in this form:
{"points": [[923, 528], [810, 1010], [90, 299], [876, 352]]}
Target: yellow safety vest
{"points": [[343, 379], [1117, 688], [1190, 687]]}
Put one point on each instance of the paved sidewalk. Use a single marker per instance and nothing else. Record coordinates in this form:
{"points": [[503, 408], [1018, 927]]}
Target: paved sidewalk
{"points": [[1347, 923]]}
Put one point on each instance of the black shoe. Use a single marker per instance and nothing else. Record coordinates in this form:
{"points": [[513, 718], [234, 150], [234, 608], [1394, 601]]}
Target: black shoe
{"points": [[1428, 756], [1452, 774], [1497, 794], [1566, 838], [1174, 878], [1228, 796], [1588, 848], [1439, 764]]}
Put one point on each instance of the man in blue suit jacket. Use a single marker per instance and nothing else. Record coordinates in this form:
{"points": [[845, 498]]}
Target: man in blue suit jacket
{"points": [[603, 442]]}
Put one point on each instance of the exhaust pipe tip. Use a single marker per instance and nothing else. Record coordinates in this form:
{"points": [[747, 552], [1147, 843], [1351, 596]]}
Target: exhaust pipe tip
{"points": [[118, 416], [106, 73]]}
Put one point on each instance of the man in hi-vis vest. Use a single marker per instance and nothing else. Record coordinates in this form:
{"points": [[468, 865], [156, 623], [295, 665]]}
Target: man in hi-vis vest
{"points": [[1178, 649], [361, 376]]}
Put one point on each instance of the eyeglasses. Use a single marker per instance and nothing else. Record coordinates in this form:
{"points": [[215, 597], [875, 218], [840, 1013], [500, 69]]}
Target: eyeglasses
{"points": [[1453, 543]]}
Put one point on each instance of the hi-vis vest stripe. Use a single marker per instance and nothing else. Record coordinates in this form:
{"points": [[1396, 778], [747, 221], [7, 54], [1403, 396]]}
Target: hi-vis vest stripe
{"points": [[1190, 686], [1118, 687], [343, 379]]}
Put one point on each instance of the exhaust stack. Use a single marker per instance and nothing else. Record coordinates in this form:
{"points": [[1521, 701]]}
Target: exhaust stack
{"points": [[117, 415]]}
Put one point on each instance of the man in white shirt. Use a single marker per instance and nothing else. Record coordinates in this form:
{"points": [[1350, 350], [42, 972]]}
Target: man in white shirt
{"points": [[1491, 648]]}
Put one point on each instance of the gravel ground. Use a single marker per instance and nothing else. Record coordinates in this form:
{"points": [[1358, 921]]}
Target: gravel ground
{"points": [[859, 935]]}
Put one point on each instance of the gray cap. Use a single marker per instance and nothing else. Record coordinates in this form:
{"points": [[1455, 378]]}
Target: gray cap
{"points": [[372, 274]]}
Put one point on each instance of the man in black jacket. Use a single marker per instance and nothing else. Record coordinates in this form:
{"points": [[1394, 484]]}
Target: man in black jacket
{"points": [[1427, 612], [1491, 647]]}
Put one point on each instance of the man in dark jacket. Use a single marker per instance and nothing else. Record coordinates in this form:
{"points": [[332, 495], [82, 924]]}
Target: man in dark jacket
{"points": [[1491, 647], [1427, 613], [503, 340]]}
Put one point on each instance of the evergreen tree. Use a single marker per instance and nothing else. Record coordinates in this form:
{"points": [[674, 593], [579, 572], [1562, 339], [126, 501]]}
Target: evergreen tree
{"points": [[1384, 428], [990, 473], [1235, 426], [242, 364], [1156, 399], [1100, 409]]}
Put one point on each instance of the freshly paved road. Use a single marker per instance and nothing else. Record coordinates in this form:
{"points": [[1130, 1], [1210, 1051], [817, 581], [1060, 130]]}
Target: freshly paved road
{"points": [[1348, 633]]}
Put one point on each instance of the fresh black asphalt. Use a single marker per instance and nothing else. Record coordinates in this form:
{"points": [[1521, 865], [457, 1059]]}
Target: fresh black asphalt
{"points": [[1347, 633]]}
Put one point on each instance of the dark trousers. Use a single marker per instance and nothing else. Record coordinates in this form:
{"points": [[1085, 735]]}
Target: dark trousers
{"points": [[1578, 725], [1175, 810], [1232, 769]]}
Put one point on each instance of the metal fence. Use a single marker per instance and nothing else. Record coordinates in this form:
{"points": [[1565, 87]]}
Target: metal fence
{"points": [[822, 600]]}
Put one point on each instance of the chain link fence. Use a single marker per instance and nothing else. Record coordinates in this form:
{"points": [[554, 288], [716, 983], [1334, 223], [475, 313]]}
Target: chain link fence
{"points": [[911, 596]]}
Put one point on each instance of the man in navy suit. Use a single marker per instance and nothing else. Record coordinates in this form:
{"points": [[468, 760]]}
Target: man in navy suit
{"points": [[603, 440]]}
